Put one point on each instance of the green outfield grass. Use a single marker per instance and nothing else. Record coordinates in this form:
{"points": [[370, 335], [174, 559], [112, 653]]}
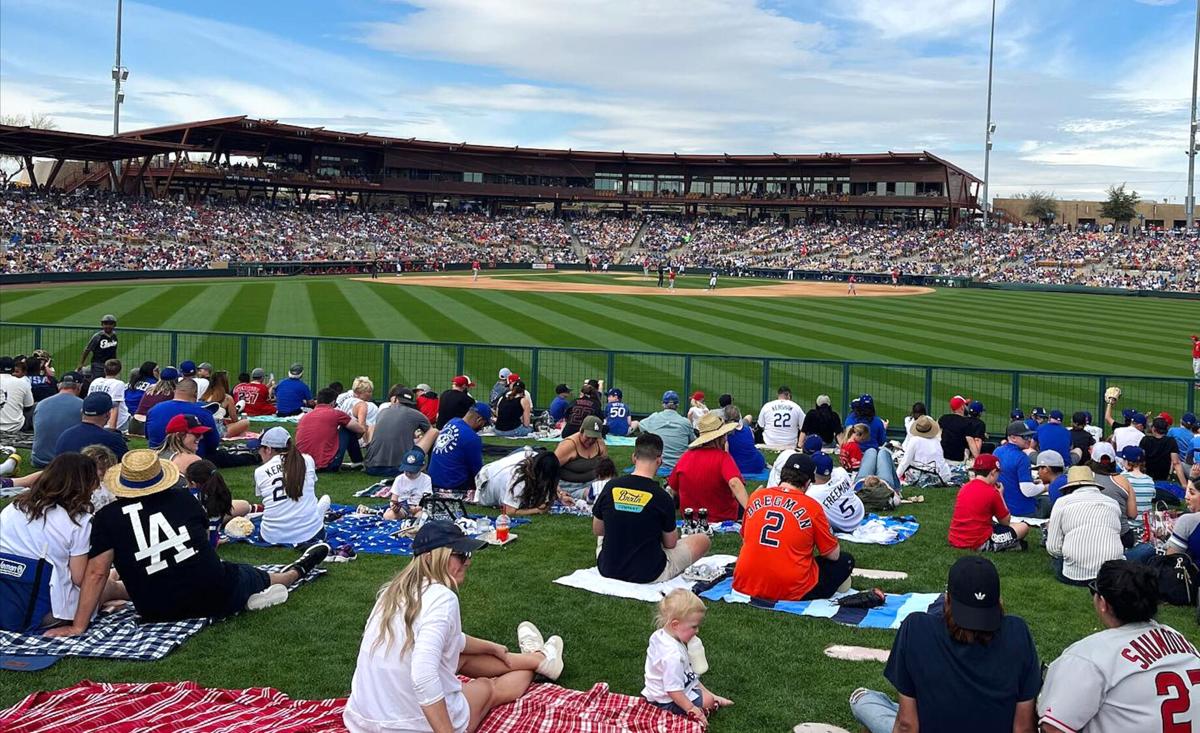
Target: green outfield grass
{"points": [[771, 664]]}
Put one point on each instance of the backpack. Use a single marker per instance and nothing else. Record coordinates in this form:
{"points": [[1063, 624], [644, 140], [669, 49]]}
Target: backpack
{"points": [[1177, 578]]}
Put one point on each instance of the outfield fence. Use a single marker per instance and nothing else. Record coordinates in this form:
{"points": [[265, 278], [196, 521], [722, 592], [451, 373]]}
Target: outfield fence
{"points": [[642, 376]]}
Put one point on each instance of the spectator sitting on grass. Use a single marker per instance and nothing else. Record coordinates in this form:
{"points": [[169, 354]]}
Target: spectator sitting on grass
{"points": [[558, 407], [970, 650], [111, 384], [287, 483], [162, 391], [181, 576], [1185, 534], [292, 395], [254, 394], [514, 412], [327, 434], [358, 405], [458, 451], [1081, 439], [230, 423], [456, 401], [587, 404], [54, 415], [1114, 679], [924, 463], [1162, 454], [741, 444], [863, 413], [1021, 495], [1051, 468], [959, 440], [616, 415], [409, 487], [833, 490], [635, 519], [578, 456], [90, 430], [1084, 530], [706, 475], [182, 403], [674, 429], [500, 387], [427, 403], [822, 420], [183, 437], [396, 429], [981, 520]]}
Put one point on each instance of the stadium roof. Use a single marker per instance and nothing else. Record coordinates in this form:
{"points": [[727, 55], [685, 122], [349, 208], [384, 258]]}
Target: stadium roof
{"points": [[244, 135], [39, 143]]}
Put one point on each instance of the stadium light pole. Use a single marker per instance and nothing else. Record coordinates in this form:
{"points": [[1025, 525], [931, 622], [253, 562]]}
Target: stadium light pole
{"points": [[119, 74], [1193, 121], [990, 128]]}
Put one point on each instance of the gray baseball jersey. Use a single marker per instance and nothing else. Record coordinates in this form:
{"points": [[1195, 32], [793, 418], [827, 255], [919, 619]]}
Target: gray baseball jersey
{"points": [[1136, 677]]}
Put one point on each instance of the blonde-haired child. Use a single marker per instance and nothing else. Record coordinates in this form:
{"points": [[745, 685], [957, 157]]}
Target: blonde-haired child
{"points": [[675, 660]]}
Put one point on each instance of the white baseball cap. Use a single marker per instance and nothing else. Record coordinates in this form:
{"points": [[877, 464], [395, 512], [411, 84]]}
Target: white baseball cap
{"points": [[275, 437]]}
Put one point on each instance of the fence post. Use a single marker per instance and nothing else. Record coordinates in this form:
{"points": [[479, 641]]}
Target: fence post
{"points": [[928, 386], [314, 348], [387, 365], [244, 347], [460, 359], [766, 381], [37, 337], [535, 375], [687, 376], [1191, 395], [611, 369], [1100, 403], [1016, 390], [175, 347], [845, 387]]}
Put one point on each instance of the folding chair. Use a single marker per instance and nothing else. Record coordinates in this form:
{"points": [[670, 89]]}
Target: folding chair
{"points": [[24, 592]]}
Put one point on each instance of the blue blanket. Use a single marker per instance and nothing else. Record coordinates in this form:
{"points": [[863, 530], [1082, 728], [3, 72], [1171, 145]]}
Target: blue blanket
{"points": [[888, 616], [877, 530]]}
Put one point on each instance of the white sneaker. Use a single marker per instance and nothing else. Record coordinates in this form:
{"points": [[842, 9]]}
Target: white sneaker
{"points": [[323, 505], [529, 639], [552, 666], [695, 649], [272, 596]]}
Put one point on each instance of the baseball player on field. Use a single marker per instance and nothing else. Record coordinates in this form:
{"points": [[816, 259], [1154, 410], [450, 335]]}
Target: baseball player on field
{"points": [[1135, 675], [1196, 358], [474, 270], [712, 280], [850, 282]]}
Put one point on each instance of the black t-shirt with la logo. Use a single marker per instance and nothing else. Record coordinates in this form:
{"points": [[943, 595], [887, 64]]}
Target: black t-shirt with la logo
{"points": [[103, 346], [161, 549]]}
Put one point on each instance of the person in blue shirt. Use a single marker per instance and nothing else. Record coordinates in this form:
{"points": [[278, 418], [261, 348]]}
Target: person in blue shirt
{"points": [[1016, 474], [182, 403], [616, 415], [1050, 467], [91, 431], [1186, 435], [457, 454], [862, 410], [562, 401], [740, 444], [1053, 435], [292, 394]]}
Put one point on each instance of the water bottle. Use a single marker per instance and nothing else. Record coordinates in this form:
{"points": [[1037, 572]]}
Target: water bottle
{"points": [[502, 528], [688, 523], [704, 526], [482, 525]]}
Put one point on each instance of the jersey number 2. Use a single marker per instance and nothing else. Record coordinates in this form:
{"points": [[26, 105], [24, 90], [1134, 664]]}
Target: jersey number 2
{"points": [[1180, 702], [772, 523], [278, 493]]}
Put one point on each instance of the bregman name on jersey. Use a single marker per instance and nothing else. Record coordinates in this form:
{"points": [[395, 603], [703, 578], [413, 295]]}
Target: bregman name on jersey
{"points": [[786, 503]]}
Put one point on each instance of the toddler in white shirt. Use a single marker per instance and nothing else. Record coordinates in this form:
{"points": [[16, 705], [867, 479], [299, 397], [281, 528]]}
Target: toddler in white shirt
{"points": [[409, 487], [675, 660]]}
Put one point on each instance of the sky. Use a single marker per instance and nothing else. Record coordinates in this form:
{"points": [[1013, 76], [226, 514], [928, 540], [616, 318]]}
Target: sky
{"points": [[1087, 93]]}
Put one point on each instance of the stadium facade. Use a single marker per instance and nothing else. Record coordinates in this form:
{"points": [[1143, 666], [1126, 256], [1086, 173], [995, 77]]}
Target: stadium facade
{"points": [[254, 158]]}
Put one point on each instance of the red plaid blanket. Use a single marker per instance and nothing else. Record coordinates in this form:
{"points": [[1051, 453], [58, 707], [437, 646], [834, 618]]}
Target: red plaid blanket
{"points": [[185, 707], [177, 707]]}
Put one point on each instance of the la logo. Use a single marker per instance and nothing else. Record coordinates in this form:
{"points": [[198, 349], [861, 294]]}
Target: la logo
{"points": [[163, 537]]}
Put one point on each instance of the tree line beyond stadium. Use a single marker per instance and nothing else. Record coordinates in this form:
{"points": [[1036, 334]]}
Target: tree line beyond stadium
{"points": [[642, 376]]}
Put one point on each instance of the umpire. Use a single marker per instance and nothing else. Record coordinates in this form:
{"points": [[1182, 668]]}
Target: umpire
{"points": [[102, 347]]}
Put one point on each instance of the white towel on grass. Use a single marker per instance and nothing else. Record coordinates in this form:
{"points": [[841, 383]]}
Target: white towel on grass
{"points": [[1031, 521], [590, 579]]}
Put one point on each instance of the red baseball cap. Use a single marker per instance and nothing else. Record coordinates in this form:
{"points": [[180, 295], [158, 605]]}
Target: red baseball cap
{"points": [[698, 396], [957, 402], [1167, 416], [187, 424], [514, 377], [463, 381], [985, 463]]}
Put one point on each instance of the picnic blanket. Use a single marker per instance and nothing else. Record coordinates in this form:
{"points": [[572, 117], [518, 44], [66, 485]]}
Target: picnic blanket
{"points": [[877, 530], [627, 441], [8, 492], [888, 616], [547, 707], [727, 527], [590, 579], [381, 489], [1031, 521], [118, 635], [274, 418], [159, 707]]}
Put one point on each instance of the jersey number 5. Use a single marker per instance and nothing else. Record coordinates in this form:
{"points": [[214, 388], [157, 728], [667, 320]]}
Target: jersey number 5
{"points": [[772, 523], [1167, 682]]}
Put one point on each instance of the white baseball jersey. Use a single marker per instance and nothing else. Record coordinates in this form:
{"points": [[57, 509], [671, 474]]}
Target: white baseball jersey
{"points": [[1127, 436], [287, 521], [15, 395], [116, 390], [1136, 677], [842, 506], [781, 421]]}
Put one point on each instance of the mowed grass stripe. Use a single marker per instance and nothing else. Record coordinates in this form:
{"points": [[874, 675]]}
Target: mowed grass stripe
{"points": [[248, 309], [334, 313], [377, 313], [500, 325], [64, 305], [422, 316], [291, 311]]}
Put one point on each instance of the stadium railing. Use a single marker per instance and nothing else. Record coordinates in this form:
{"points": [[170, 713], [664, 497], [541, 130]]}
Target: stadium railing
{"points": [[642, 376]]}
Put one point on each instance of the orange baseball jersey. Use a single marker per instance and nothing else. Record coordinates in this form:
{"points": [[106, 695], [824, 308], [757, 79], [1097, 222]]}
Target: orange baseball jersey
{"points": [[779, 532]]}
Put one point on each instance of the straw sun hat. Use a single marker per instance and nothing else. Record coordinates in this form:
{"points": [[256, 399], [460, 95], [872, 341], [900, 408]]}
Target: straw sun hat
{"points": [[925, 427], [141, 473], [711, 427]]}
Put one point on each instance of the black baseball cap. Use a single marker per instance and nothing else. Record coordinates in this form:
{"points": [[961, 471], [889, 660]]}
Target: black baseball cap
{"points": [[441, 533], [802, 462], [974, 586], [7, 364], [1019, 429], [725, 400], [404, 395], [562, 389]]}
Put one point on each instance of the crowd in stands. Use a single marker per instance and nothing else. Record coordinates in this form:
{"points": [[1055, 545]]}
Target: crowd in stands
{"points": [[84, 233], [1094, 485]]}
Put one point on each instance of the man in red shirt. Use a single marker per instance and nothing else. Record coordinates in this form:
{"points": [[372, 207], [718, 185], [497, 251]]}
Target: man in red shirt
{"points": [[474, 270], [327, 434], [255, 395], [981, 519], [706, 476], [1196, 358], [782, 528], [427, 402]]}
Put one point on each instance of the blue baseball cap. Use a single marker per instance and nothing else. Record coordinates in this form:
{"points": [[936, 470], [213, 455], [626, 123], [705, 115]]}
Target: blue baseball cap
{"points": [[1138, 419], [1189, 419], [1087, 416], [170, 373], [813, 444], [97, 403], [614, 392], [866, 400], [975, 408], [822, 464], [188, 368], [1056, 415], [483, 410], [1038, 412], [670, 396], [1132, 453], [414, 460], [443, 533], [1016, 414]]}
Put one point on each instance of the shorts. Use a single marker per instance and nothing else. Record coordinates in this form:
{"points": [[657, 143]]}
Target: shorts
{"points": [[384, 471], [241, 582], [679, 558], [1003, 539], [577, 490], [671, 707]]}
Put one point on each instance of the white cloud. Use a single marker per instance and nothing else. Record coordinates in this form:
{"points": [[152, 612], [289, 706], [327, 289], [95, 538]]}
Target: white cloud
{"points": [[1157, 3], [899, 18]]}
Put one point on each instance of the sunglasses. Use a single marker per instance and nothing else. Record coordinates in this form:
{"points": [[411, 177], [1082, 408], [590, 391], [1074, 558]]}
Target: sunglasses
{"points": [[462, 556], [1092, 587]]}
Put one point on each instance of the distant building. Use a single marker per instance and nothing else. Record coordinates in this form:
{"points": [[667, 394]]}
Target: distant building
{"points": [[1087, 213]]}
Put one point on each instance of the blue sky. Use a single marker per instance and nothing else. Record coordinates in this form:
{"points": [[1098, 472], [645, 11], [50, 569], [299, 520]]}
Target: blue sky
{"points": [[1087, 92]]}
